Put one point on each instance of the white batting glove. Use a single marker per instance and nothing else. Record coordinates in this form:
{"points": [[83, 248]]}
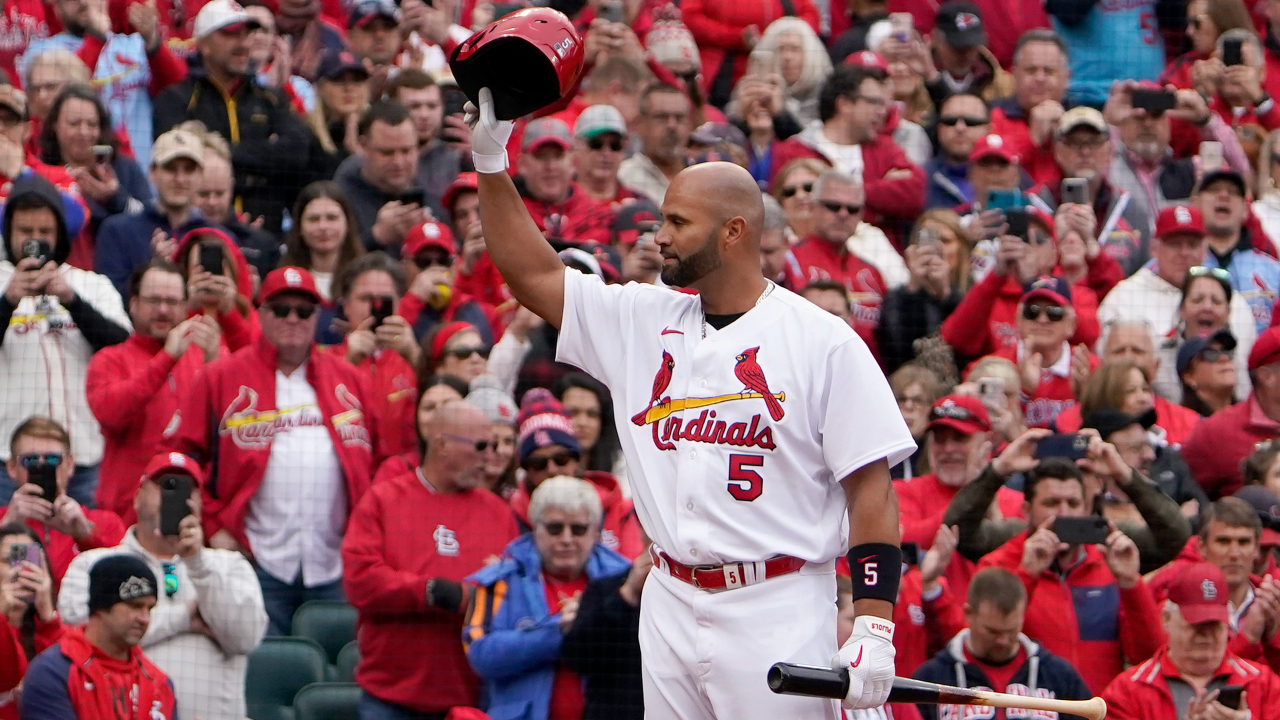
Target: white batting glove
{"points": [[489, 136], [868, 656]]}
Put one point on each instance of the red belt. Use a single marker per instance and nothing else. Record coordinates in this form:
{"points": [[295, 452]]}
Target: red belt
{"points": [[729, 576]]}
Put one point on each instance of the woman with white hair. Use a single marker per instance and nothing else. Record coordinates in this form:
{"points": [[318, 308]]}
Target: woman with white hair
{"points": [[802, 64], [523, 605]]}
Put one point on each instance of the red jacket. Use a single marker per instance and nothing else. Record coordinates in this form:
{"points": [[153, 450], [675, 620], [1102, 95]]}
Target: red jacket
{"points": [[1143, 692], [394, 402], [1269, 120], [1175, 420], [1009, 121], [577, 219], [133, 390], [1219, 442], [621, 531], [22, 23], [1085, 617], [400, 536], [238, 329], [484, 282], [984, 321], [717, 28], [13, 659], [234, 401], [1052, 396], [97, 685], [820, 260], [61, 549]]}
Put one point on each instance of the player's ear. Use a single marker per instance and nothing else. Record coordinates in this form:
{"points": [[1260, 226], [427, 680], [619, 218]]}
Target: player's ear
{"points": [[733, 231]]}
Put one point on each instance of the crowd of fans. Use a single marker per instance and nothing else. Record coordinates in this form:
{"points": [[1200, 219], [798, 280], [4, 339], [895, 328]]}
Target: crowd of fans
{"points": [[256, 354]]}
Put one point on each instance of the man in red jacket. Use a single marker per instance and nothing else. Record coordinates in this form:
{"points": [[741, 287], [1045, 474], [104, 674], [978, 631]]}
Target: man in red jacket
{"points": [[410, 543], [287, 449], [133, 388], [564, 212], [1027, 119], [1188, 674], [1087, 603]]}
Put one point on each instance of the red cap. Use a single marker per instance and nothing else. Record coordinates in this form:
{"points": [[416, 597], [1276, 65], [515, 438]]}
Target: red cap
{"points": [[289, 279], [428, 235], [869, 60], [173, 462], [1180, 219], [1266, 349], [963, 413], [1200, 592], [993, 146], [465, 182]]}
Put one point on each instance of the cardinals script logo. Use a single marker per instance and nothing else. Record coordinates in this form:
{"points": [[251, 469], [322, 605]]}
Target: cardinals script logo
{"points": [[662, 411]]}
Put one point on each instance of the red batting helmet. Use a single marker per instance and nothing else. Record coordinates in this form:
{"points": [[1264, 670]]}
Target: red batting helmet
{"points": [[528, 59]]}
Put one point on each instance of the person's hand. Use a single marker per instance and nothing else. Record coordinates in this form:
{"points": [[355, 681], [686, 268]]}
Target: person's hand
{"points": [[988, 225], [1119, 105], [643, 263], [98, 182], [1019, 456], [13, 597], [25, 282], [595, 41], [281, 62], [1207, 707], [163, 247], [523, 323], [146, 20], [489, 137], [1043, 120], [868, 656], [1189, 105], [634, 584], [1207, 76], [207, 290], [199, 626], [1078, 217], [1121, 555], [190, 532], [361, 342], [98, 22], [33, 582], [473, 248], [28, 503], [569, 612], [179, 339], [1040, 549], [939, 555], [481, 15], [55, 283], [206, 334], [456, 133], [223, 540], [1081, 367], [1010, 255], [351, 133], [396, 334], [69, 519], [394, 220], [1246, 78], [1030, 370], [12, 157]]}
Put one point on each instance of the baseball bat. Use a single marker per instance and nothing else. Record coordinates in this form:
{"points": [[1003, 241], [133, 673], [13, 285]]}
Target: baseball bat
{"points": [[789, 679]]}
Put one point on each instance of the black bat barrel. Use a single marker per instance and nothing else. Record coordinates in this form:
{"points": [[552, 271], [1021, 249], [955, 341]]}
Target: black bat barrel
{"points": [[789, 679]]}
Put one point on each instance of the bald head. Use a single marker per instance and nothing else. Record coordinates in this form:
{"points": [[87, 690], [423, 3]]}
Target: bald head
{"points": [[453, 461], [727, 191], [454, 414]]}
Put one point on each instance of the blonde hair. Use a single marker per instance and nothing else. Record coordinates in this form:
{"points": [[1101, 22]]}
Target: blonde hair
{"points": [[76, 71], [950, 220]]}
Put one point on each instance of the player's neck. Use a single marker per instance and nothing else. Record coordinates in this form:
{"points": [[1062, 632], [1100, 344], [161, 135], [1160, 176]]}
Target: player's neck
{"points": [[730, 294]]}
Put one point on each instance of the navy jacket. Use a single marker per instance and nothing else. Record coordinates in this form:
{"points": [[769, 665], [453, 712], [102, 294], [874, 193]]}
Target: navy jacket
{"points": [[124, 243]]}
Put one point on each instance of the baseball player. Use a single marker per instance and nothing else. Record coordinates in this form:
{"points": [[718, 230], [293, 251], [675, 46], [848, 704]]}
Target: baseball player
{"points": [[758, 431]]}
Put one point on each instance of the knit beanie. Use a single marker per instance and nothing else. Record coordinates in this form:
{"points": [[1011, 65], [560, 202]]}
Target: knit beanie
{"points": [[543, 422], [669, 40], [488, 395], [119, 578]]}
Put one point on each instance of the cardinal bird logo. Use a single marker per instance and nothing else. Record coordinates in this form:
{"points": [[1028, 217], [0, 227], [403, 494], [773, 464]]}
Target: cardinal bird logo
{"points": [[660, 383], [749, 372]]}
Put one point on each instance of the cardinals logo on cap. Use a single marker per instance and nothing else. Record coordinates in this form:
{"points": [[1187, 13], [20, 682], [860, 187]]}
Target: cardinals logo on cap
{"points": [[177, 459], [1209, 590], [966, 20], [1183, 216], [995, 141], [430, 230], [292, 277], [134, 588]]}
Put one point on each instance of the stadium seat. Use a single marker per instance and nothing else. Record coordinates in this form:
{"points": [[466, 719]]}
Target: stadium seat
{"points": [[330, 623], [347, 661], [327, 701], [278, 669]]}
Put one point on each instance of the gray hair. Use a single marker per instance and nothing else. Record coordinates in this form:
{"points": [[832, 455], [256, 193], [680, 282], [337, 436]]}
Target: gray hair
{"points": [[833, 176], [1042, 35], [817, 63], [774, 217], [1244, 36], [73, 68], [1111, 325], [568, 494]]}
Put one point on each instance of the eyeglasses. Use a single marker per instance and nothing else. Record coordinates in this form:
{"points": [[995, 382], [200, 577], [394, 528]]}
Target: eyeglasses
{"points": [[283, 310], [598, 143], [1213, 272], [791, 190], [910, 400], [425, 261], [1213, 354], [968, 120], [538, 464], [876, 101], [160, 301], [950, 412], [30, 461], [666, 118], [170, 579], [1079, 144], [462, 353], [479, 445], [556, 529], [1053, 312], [836, 207]]}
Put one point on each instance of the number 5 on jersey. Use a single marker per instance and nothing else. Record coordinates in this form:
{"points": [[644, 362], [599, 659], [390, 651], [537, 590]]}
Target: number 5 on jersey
{"points": [[744, 483]]}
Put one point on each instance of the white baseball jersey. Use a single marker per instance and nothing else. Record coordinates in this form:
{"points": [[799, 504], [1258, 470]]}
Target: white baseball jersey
{"points": [[720, 473]]}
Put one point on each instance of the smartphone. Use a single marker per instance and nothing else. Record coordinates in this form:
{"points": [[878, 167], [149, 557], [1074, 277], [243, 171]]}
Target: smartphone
{"points": [[901, 24], [175, 490], [1154, 102], [501, 9], [991, 392], [1016, 218], [1233, 52], [413, 196], [1063, 445], [1075, 190], [611, 11], [38, 249], [380, 310], [1002, 199], [762, 63], [1210, 155], [211, 257], [44, 476], [454, 101], [929, 239], [1087, 530], [1229, 696], [24, 552], [102, 154]]}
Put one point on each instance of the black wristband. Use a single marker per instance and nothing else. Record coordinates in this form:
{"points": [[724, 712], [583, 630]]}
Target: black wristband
{"points": [[444, 594], [875, 569]]}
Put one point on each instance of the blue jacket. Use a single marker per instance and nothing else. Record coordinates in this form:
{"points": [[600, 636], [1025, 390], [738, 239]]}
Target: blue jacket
{"points": [[1255, 275], [124, 243], [946, 185], [511, 638]]}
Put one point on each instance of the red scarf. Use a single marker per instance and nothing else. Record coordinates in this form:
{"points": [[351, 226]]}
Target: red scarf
{"points": [[108, 689]]}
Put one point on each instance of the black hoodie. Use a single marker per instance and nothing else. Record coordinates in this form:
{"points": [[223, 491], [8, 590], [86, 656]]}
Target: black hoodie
{"points": [[96, 329]]}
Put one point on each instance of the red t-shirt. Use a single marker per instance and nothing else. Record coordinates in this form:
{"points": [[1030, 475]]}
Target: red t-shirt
{"points": [[820, 260], [567, 700], [999, 675]]}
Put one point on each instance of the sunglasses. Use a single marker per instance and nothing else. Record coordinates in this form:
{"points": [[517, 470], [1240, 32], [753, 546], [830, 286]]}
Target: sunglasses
{"points": [[1205, 271], [1213, 355], [170, 579], [539, 464], [836, 207], [467, 351], [425, 261], [556, 529], [969, 120], [1054, 312], [283, 310], [791, 190], [479, 445], [599, 143], [30, 461]]}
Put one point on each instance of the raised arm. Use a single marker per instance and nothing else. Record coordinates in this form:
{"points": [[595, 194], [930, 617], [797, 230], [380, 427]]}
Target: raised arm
{"points": [[526, 260]]}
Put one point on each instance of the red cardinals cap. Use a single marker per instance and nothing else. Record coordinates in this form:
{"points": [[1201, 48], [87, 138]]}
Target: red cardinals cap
{"points": [[1049, 287], [993, 145], [528, 60], [962, 413], [428, 235], [546, 131], [869, 60], [289, 279], [1179, 219], [465, 182], [1200, 592], [172, 462], [1266, 349]]}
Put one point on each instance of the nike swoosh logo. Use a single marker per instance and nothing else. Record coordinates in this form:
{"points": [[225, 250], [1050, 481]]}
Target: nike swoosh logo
{"points": [[669, 331], [857, 660]]}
